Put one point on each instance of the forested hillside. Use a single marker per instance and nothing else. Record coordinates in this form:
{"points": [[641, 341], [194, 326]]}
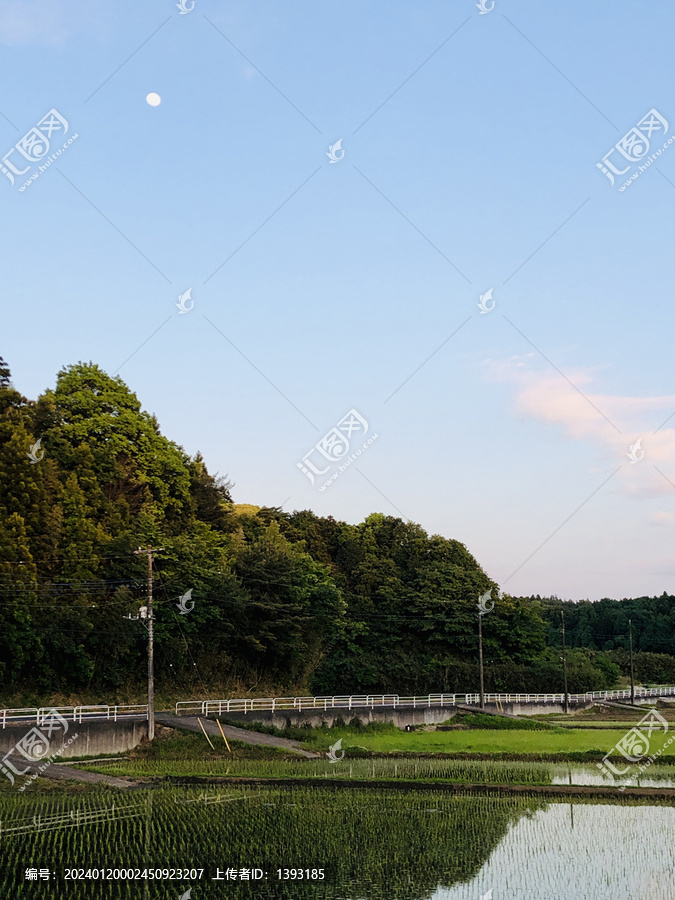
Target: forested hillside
{"points": [[282, 602]]}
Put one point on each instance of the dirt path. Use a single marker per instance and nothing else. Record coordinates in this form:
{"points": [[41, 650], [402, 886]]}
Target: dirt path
{"points": [[63, 772], [191, 723]]}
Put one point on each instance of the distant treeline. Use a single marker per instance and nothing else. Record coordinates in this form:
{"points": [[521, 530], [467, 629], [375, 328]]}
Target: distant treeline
{"points": [[286, 602]]}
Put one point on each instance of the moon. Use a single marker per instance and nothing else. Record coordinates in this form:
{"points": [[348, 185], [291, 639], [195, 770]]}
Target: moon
{"points": [[154, 99]]}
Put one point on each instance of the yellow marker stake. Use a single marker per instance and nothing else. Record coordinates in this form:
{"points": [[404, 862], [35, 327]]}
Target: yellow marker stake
{"points": [[223, 734], [205, 734]]}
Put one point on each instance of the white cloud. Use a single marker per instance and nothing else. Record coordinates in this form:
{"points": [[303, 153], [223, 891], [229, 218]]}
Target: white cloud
{"points": [[612, 422]]}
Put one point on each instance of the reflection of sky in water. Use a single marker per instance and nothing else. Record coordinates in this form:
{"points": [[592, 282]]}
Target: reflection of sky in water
{"points": [[653, 776], [580, 852]]}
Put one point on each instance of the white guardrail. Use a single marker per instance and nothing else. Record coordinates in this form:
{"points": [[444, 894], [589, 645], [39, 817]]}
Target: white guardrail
{"points": [[393, 701], [347, 702], [73, 713]]}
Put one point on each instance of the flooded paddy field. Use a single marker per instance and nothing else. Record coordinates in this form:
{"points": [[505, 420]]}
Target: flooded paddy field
{"points": [[333, 843]]}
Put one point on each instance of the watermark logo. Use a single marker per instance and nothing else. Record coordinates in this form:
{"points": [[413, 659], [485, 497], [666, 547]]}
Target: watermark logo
{"points": [[183, 301], [634, 747], [184, 8], [634, 147], [334, 447], [487, 895], [484, 8], [34, 147], [635, 453], [182, 604], [487, 304], [187, 894], [34, 746], [335, 152], [483, 601], [335, 754], [36, 453]]}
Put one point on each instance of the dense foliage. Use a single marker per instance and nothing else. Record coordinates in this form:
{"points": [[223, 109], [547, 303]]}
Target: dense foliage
{"points": [[284, 602]]}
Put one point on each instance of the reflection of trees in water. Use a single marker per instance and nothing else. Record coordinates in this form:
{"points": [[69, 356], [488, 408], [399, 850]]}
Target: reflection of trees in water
{"points": [[403, 846], [375, 844]]}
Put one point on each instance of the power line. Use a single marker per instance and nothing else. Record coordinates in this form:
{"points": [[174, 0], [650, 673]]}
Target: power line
{"points": [[40, 558]]}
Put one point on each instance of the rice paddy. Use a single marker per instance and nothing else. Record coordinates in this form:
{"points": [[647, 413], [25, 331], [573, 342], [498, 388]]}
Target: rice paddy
{"points": [[435, 770], [508, 743], [166, 836], [371, 844], [657, 776], [361, 769]]}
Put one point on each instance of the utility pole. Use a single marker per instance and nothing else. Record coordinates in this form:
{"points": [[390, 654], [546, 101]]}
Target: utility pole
{"points": [[564, 659], [480, 659], [632, 679], [151, 644]]}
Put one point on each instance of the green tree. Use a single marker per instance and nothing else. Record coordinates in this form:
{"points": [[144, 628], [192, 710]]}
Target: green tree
{"points": [[19, 644]]}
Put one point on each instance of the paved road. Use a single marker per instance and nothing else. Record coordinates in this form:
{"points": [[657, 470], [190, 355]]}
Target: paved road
{"points": [[191, 723]]}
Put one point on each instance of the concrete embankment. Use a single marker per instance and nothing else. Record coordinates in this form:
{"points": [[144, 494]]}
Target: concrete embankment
{"points": [[93, 738], [399, 716]]}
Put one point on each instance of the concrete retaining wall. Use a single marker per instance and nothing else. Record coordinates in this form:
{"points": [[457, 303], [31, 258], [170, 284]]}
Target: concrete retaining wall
{"points": [[535, 709], [316, 718], [423, 715], [93, 738]]}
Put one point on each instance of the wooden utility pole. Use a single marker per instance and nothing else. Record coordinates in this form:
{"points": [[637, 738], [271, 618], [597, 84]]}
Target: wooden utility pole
{"points": [[151, 645], [564, 659], [480, 659], [632, 679]]}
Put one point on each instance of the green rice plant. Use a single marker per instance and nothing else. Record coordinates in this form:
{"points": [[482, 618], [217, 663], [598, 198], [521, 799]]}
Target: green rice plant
{"points": [[403, 840], [359, 769], [371, 844]]}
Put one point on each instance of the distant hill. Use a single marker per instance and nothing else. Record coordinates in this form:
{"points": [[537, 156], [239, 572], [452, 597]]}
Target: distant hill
{"points": [[285, 601]]}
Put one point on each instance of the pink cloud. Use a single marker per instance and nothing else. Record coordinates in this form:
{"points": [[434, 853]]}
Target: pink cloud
{"points": [[612, 422]]}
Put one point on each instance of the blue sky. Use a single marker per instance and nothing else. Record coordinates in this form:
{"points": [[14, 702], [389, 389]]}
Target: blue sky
{"points": [[471, 144]]}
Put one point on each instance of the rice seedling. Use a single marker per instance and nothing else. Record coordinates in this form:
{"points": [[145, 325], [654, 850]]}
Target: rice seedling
{"points": [[371, 844], [359, 769], [368, 843]]}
